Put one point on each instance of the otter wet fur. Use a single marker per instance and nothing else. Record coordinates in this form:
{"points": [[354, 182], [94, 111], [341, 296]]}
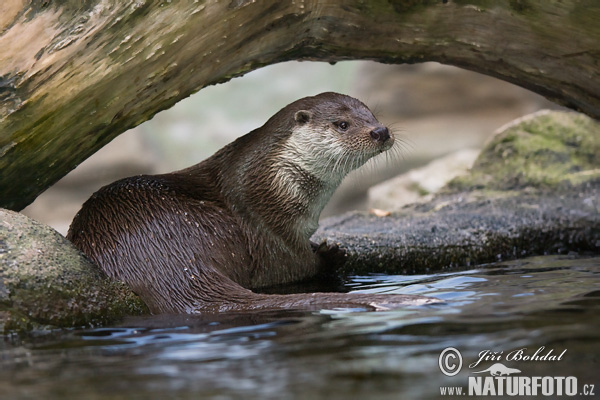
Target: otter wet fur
{"points": [[200, 239]]}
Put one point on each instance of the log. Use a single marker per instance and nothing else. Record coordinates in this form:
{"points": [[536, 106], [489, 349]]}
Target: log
{"points": [[74, 75]]}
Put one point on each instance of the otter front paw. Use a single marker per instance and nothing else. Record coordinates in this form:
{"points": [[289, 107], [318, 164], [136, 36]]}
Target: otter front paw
{"points": [[331, 256]]}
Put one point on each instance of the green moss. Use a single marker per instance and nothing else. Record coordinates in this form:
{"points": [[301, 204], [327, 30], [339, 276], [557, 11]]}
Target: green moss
{"points": [[402, 6], [46, 283], [415, 187], [544, 151], [520, 5], [585, 14]]}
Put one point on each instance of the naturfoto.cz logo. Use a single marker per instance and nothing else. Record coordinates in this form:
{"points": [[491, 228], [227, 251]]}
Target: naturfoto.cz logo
{"points": [[499, 379]]}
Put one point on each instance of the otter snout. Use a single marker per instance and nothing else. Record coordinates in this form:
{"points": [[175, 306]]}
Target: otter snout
{"points": [[380, 134]]}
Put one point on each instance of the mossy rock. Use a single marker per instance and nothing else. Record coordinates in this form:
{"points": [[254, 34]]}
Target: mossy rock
{"points": [[45, 282], [547, 150]]}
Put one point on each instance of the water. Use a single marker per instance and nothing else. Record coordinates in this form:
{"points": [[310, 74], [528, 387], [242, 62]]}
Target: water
{"points": [[550, 302]]}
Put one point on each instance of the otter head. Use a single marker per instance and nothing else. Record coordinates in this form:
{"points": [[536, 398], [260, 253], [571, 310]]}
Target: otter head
{"points": [[334, 134], [320, 139]]}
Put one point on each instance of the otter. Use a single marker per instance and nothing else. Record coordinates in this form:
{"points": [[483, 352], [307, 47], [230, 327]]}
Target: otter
{"points": [[203, 238]]}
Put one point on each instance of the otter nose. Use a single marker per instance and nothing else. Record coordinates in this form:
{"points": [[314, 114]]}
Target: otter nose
{"points": [[380, 134]]}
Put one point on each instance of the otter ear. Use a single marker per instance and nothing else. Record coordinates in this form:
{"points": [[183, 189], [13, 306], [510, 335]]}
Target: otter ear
{"points": [[302, 116]]}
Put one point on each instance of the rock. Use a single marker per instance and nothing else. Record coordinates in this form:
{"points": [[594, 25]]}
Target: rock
{"points": [[533, 190], [45, 282], [546, 150], [422, 183]]}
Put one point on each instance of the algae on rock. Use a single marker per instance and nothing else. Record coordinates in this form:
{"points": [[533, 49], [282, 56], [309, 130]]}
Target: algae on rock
{"points": [[45, 282], [547, 150]]}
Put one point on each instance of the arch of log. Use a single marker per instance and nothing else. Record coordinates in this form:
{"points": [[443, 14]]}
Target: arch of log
{"points": [[75, 74]]}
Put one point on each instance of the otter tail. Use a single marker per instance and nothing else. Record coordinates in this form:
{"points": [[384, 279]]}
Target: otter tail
{"points": [[317, 301]]}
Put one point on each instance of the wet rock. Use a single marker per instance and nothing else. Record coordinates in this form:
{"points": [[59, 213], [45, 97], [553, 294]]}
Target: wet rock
{"points": [[45, 282], [534, 189]]}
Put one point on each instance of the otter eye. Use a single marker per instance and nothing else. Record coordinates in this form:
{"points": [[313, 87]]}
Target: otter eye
{"points": [[342, 125]]}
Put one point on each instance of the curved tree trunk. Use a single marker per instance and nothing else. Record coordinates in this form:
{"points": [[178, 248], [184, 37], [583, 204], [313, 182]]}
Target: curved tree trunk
{"points": [[75, 74]]}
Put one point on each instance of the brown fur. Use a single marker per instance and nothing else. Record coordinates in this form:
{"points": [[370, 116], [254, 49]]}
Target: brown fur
{"points": [[199, 239]]}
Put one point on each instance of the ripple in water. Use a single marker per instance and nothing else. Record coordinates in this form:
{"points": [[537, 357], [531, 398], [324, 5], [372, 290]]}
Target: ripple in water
{"points": [[552, 302]]}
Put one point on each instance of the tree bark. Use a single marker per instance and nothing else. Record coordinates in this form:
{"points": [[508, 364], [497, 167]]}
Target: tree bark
{"points": [[75, 74]]}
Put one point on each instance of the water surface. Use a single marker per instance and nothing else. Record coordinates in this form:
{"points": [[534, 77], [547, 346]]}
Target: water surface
{"points": [[552, 302]]}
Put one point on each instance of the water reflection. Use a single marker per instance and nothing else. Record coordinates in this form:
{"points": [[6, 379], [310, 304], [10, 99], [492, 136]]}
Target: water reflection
{"points": [[339, 353]]}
